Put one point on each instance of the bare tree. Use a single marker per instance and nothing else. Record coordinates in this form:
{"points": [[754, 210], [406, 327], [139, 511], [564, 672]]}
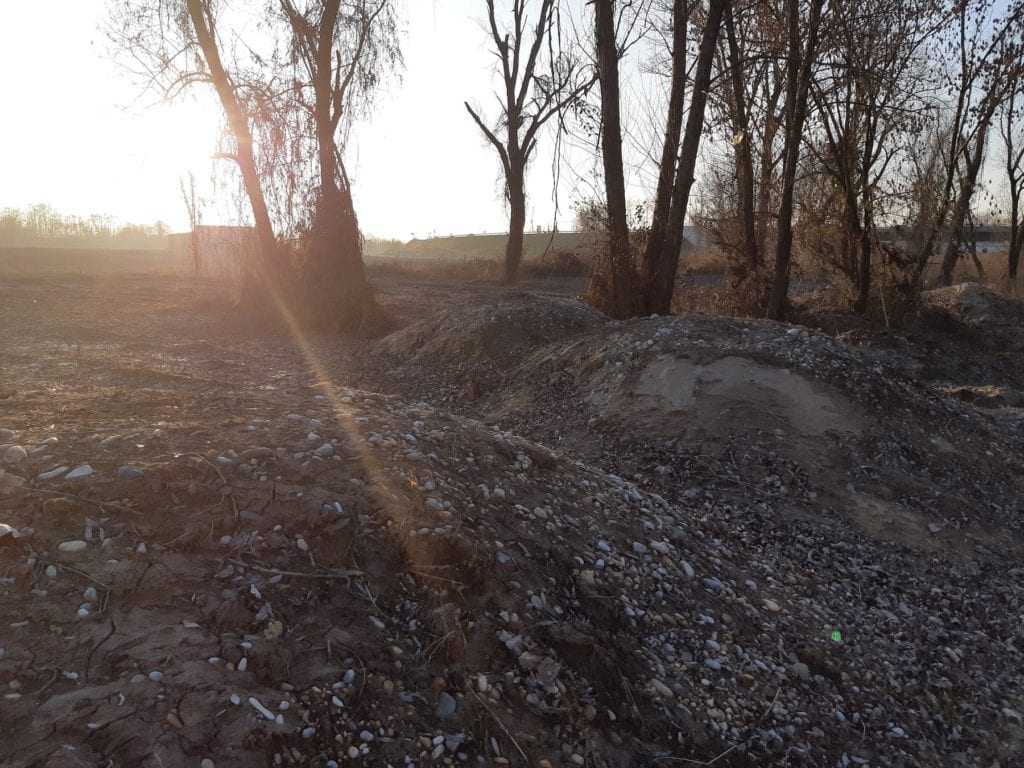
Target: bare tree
{"points": [[617, 288], [280, 110], [1010, 130], [338, 48], [540, 80], [870, 91], [195, 216], [802, 48], [986, 46], [177, 44], [613, 284], [661, 262]]}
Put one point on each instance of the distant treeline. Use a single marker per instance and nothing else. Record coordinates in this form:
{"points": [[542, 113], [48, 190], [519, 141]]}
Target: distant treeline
{"points": [[41, 225]]}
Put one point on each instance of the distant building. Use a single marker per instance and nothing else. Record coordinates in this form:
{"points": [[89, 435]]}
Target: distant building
{"points": [[218, 251]]}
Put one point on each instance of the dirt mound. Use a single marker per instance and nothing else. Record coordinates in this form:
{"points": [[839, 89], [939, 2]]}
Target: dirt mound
{"points": [[974, 304], [472, 347]]}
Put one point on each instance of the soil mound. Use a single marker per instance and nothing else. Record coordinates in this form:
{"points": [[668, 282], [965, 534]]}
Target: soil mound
{"points": [[469, 349]]}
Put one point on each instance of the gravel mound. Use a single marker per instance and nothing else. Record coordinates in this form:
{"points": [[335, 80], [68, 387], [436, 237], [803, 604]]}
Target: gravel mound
{"points": [[435, 590], [466, 350]]}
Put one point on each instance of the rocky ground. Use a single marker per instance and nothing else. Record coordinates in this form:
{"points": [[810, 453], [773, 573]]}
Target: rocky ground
{"points": [[511, 533]]}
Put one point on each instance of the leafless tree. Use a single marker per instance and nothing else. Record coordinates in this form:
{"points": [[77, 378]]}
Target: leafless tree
{"points": [[280, 109], [618, 288], [802, 48], [338, 49], [661, 259], [195, 216], [986, 46], [1011, 130], [540, 80], [613, 285], [868, 93]]}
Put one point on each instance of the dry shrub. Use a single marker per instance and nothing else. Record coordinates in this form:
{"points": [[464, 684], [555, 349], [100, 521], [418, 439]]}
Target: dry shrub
{"points": [[560, 263]]}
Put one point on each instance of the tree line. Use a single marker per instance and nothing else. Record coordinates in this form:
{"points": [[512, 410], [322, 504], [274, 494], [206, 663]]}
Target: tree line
{"points": [[782, 126], [42, 225]]}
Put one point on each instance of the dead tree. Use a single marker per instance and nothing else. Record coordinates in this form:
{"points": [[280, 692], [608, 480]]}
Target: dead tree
{"points": [[540, 81]]}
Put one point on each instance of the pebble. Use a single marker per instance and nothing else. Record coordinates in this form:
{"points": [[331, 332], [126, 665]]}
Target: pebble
{"points": [[73, 546], [206, 763], [255, 704], [129, 473], [772, 606], [80, 473], [90, 595], [308, 732], [51, 571], [235, 699], [156, 676], [353, 752], [712, 584], [50, 474], [15, 454], [446, 705], [365, 736], [325, 451]]}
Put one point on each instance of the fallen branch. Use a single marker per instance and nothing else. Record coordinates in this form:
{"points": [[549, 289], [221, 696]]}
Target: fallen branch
{"points": [[100, 504], [346, 574]]}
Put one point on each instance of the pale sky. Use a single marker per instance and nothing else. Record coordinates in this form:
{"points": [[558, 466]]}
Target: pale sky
{"points": [[77, 133]]}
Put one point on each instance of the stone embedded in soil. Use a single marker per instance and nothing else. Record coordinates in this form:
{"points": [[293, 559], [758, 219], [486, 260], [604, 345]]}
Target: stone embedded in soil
{"points": [[51, 474], [14, 454], [325, 451], [80, 473], [72, 547], [129, 473], [446, 705]]}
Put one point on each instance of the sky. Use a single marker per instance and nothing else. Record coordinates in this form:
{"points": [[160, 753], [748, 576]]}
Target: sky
{"points": [[79, 134]]}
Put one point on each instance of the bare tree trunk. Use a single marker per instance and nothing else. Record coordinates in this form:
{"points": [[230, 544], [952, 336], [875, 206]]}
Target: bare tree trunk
{"points": [[744, 155], [660, 274], [1016, 240], [864, 266], [612, 288], [516, 225], [673, 133], [798, 76], [963, 206], [265, 273], [337, 295]]}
